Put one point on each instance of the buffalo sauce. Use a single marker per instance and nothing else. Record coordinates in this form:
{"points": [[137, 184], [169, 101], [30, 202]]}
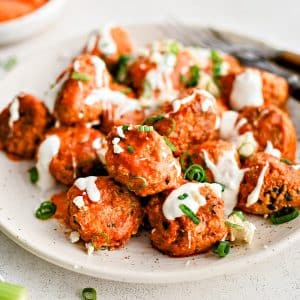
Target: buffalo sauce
{"points": [[12, 9], [61, 202]]}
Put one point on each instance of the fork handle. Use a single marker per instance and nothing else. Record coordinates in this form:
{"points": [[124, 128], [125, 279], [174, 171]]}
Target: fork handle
{"points": [[292, 78], [288, 58]]}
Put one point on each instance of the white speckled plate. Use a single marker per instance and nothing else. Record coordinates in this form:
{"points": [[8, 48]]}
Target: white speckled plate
{"points": [[137, 262]]}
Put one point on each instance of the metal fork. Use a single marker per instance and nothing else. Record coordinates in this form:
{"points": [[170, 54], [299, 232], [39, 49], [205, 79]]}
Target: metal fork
{"points": [[248, 53]]}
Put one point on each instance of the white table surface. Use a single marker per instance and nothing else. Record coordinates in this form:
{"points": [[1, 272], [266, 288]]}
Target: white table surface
{"points": [[278, 277]]}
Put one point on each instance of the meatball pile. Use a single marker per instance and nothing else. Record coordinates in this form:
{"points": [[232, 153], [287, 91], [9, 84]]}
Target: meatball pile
{"points": [[177, 140]]}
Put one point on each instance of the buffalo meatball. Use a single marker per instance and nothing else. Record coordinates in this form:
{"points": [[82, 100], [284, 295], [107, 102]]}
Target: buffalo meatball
{"points": [[104, 213], [74, 152], [141, 159], [187, 220], [268, 185], [22, 126], [191, 120]]}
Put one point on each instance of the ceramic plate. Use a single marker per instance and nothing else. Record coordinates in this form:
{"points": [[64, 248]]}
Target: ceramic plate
{"points": [[137, 262]]}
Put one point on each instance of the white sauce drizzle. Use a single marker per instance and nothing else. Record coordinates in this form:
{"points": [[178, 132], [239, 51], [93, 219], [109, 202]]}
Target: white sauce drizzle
{"points": [[100, 145], [296, 167], [116, 147], [254, 195], [106, 42], [193, 201], [227, 172], [79, 202], [88, 184], [47, 150], [100, 68], [90, 248], [271, 150], [120, 132], [14, 112], [247, 90]]}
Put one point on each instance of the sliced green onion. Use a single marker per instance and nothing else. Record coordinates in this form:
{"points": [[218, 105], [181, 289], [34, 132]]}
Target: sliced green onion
{"points": [[130, 149], [126, 91], [222, 185], [183, 196], [194, 76], [284, 215], [170, 144], [121, 69], [232, 225], [145, 128], [286, 161], [195, 172], [89, 294], [10, 291], [189, 213], [46, 210], [9, 64], [80, 76], [217, 63], [182, 78], [137, 183], [221, 248], [174, 48], [34, 174], [239, 214], [154, 119], [125, 127], [185, 160]]}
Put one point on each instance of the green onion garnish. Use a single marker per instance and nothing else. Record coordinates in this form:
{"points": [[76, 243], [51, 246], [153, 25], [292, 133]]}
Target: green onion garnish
{"points": [[137, 183], [8, 64], [125, 127], [284, 215], [183, 196], [130, 149], [174, 48], [185, 160], [46, 210], [232, 225], [34, 175], [10, 291], [189, 213], [89, 294], [286, 161], [80, 76], [121, 69], [195, 172], [194, 76], [217, 63], [154, 119], [170, 144], [239, 214], [221, 248], [145, 128]]}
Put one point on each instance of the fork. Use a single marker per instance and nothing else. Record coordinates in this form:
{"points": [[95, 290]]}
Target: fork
{"points": [[250, 53]]}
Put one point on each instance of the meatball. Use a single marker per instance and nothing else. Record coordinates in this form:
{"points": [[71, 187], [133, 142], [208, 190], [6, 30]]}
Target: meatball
{"points": [[104, 213], [77, 102], [191, 120], [22, 126], [177, 234], [109, 43], [268, 87], [140, 158], [269, 185], [79, 153], [269, 124]]}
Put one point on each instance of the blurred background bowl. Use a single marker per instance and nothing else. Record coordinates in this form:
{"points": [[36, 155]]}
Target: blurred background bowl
{"points": [[28, 25]]}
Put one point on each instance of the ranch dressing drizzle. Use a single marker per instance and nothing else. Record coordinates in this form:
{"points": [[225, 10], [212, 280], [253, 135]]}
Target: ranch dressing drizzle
{"points": [[247, 90], [106, 42], [100, 146], [100, 68], [227, 172], [254, 195], [47, 150], [88, 184], [271, 150], [14, 112], [193, 201]]}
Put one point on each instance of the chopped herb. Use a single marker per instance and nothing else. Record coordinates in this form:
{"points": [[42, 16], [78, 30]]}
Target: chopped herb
{"points": [[195, 172], [130, 149], [125, 127], [121, 68], [46, 210], [170, 144], [221, 248], [185, 160], [153, 119], [286, 161], [189, 213], [80, 76], [34, 175], [145, 128], [174, 47], [284, 215], [194, 76], [183, 196], [89, 294], [8, 64], [232, 225], [239, 214], [217, 61], [137, 183], [10, 291]]}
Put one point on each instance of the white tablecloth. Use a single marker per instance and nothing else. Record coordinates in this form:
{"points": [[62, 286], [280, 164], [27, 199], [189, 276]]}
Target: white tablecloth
{"points": [[278, 277]]}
